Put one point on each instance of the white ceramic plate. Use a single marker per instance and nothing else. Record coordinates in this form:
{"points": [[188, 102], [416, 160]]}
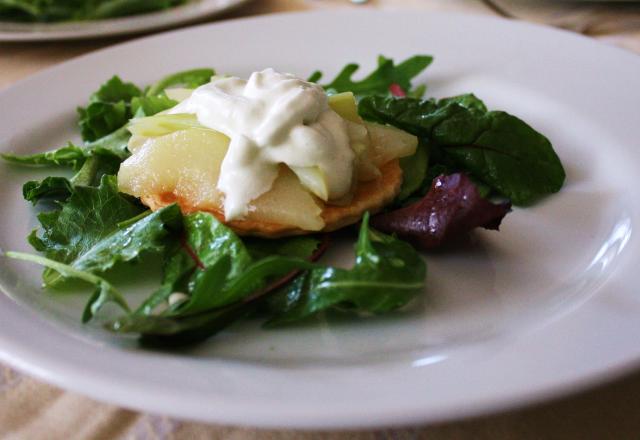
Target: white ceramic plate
{"points": [[545, 306], [192, 11]]}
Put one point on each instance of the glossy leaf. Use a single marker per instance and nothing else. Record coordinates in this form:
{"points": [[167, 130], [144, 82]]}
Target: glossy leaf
{"points": [[451, 209]]}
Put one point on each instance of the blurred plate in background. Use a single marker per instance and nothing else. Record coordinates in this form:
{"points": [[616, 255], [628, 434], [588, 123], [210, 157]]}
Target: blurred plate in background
{"points": [[192, 11]]}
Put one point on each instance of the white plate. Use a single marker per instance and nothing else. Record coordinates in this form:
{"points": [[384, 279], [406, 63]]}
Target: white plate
{"points": [[545, 306], [191, 11]]}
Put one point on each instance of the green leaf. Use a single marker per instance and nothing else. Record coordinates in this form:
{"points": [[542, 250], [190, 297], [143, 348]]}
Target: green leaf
{"points": [[206, 241], [69, 155], [213, 312], [94, 168], [150, 105], [496, 148], [300, 246], [121, 8], [104, 291], [66, 10], [109, 109], [257, 276], [387, 274], [189, 79], [55, 188], [112, 147], [379, 81], [113, 144], [89, 216], [414, 171], [212, 279], [178, 268], [211, 240], [126, 244]]}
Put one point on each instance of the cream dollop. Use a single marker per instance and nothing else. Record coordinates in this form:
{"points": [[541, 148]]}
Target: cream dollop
{"points": [[272, 118]]}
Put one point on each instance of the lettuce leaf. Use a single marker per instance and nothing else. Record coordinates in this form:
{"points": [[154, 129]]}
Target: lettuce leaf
{"points": [[496, 148]]}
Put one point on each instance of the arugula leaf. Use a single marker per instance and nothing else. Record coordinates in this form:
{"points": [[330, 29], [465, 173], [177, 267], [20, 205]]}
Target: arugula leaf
{"points": [[202, 316], [379, 82], [161, 331], [189, 79], [104, 292], [109, 109], [112, 147], [497, 148], [387, 274], [69, 155], [211, 240], [116, 102], [211, 279], [150, 105], [206, 241], [93, 169], [55, 188], [114, 144], [89, 216], [214, 307], [148, 234], [177, 270], [299, 246]]}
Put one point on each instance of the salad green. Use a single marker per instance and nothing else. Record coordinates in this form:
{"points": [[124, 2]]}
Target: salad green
{"points": [[212, 277], [67, 10]]}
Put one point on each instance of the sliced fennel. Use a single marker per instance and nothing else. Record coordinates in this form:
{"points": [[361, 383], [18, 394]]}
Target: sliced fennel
{"points": [[161, 124], [313, 179]]}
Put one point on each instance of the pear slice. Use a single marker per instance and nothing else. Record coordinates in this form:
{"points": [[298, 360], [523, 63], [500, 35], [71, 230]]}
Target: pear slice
{"points": [[287, 203], [185, 163], [388, 143], [345, 105]]}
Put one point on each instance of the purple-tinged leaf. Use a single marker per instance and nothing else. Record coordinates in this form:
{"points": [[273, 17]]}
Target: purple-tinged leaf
{"points": [[452, 207]]}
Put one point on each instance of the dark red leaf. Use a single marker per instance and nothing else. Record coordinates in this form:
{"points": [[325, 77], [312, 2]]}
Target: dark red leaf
{"points": [[452, 208]]}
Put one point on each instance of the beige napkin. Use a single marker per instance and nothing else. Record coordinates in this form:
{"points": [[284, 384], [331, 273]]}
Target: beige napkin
{"points": [[30, 409]]}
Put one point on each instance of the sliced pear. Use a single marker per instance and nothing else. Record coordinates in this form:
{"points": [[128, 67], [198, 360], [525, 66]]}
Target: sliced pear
{"points": [[365, 169], [185, 163], [345, 105], [388, 143], [287, 203]]}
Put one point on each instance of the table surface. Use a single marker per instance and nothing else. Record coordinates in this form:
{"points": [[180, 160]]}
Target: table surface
{"points": [[32, 409]]}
